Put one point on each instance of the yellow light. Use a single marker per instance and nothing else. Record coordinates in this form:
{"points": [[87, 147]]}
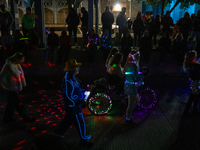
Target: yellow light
{"points": [[117, 7]]}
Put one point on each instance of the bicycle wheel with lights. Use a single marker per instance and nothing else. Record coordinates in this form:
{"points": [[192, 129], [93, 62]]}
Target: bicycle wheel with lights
{"points": [[99, 103], [148, 98]]}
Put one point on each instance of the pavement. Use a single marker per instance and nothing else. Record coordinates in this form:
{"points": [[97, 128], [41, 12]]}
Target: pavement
{"points": [[161, 128]]}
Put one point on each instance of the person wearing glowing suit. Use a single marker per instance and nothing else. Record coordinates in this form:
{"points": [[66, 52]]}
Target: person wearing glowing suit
{"points": [[132, 81], [73, 97]]}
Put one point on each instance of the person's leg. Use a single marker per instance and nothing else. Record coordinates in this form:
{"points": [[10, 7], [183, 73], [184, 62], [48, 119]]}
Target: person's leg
{"points": [[10, 107], [54, 55], [139, 38], [70, 32], [75, 35], [188, 105], [135, 39], [84, 32], [47, 54], [15, 102], [65, 123], [80, 126], [196, 100], [132, 103]]}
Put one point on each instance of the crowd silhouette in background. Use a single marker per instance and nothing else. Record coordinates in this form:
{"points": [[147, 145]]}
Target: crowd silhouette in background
{"points": [[177, 40]]}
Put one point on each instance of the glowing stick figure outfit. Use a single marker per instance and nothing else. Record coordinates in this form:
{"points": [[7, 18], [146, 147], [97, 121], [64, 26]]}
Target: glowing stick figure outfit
{"points": [[132, 82], [72, 96]]}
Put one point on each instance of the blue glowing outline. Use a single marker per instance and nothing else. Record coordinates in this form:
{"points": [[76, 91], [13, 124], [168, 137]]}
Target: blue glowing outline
{"points": [[74, 97], [86, 137]]}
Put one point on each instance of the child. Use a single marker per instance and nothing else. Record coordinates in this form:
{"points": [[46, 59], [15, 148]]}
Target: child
{"points": [[93, 40]]}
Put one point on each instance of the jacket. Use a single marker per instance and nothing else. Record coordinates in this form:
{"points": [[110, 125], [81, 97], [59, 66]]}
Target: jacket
{"points": [[6, 19], [121, 20], [107, 20], [12, 76]]}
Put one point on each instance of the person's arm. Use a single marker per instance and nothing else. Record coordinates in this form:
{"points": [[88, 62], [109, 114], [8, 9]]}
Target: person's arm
{"points": [[119, 71], [112, 19], [10, 20]]}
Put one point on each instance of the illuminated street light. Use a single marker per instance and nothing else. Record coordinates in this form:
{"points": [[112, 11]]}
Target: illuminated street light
{"points": [[117, 7]]}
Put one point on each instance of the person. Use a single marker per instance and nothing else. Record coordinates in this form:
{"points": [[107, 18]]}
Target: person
{"points": [[138, 28], [178, 49], [73, 22], [196, 28], [132, 81], [146, 46], [53, 43], [28, 21], [192, 67], [6, 20], [121, 22], [107, 20], [93, 40], [12, 79], [185, 24], [113, 51], [106, 44], [73, 97], [164, 46], [7, 44], [155, 28], [116, 40], [126, 43], [65, 47], [116, 73], [84, 26], [175, 30], [17, 41], [129, 22], [167, 21]]}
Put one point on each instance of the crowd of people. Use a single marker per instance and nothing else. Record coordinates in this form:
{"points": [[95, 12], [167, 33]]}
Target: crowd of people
{"points": [[122, 64]]}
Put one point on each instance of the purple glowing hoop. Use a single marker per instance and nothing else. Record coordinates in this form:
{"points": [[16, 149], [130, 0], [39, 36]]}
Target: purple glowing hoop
{"points": [[148, 98]]}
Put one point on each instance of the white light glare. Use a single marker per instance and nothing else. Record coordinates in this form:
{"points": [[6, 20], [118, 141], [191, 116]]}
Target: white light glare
{"points": [[117, 7]]}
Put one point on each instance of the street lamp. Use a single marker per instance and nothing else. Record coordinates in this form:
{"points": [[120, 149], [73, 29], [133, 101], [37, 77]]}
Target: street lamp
{"points": [[117, 7]]}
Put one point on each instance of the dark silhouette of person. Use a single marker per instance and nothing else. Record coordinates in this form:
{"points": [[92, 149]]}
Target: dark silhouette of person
{"points": [[107, 20], [192, 67], [167, 21], [155, 28], [121, 22], [138, 28], [6, 20], [126, 44], [185, 24], [93, 40], [196, 28], [146, 46], [73, 22], [65, 47], [84, 26]]}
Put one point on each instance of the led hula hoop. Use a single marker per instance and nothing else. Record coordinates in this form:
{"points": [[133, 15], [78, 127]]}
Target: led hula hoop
{"points": [[100, 104], [148, 98]]}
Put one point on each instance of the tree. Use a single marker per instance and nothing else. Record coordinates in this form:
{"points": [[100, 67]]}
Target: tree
{"points": [[184, 3]]}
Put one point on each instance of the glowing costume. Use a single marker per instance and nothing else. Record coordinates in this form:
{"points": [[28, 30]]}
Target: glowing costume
{"points": [[133, 77], [72, 95]]}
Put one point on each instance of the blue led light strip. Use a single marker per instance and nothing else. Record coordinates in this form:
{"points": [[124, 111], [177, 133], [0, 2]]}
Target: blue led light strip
{"points": [[73, 97]]}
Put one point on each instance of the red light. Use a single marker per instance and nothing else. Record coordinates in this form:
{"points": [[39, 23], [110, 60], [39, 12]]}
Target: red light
{"points": [[44, 131], [30, 105], [21, 142], [48, 122], [54, 124], [41, 115], [33, 128], [37, 120], [70, 126], [38, 110], [20, 103], [18, 148], [45, 118], [33, 101], [29, 64], [56, 115]]}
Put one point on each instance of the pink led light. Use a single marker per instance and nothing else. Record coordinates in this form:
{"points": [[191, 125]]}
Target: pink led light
{"points": [[21, 142], [44, 131], [33, 128], [18, 148], [48, 122]]}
